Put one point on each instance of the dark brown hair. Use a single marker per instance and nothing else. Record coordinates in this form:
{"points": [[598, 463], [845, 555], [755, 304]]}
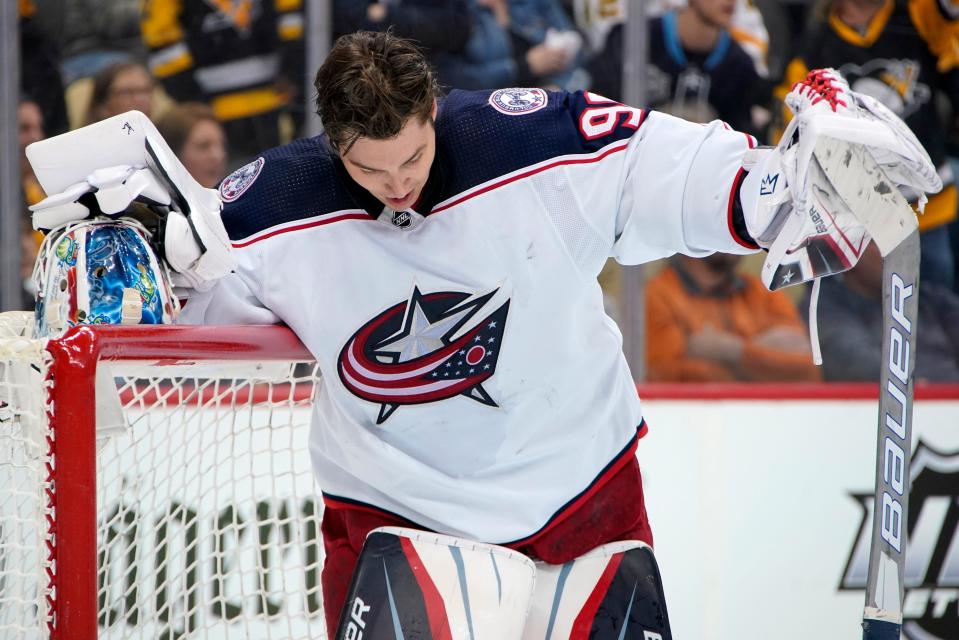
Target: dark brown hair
{"points": [[370, 85], [177, 123]]}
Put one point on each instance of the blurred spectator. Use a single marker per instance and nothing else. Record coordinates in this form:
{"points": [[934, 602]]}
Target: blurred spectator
{"points": [[500, 53], [850, 325], [696, 69], [93, 34], [30, 130], [40, 68], [439, 26], [547, 47], [119, 88], [196, 137], [902, 54], [748, 28], [486, 62], [713, 324], [596, 18], [244, 58]]}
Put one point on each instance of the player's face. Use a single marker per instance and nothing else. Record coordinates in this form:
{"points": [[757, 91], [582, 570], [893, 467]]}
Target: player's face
{"points": [[395, 170]]}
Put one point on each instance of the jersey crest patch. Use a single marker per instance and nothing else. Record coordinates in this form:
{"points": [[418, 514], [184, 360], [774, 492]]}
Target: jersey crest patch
{"points": [[518, 102], [428, 348], [240, 180]]}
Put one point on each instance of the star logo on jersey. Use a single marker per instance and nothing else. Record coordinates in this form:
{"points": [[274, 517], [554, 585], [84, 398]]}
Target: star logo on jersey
{"points": [[931, 602], [429, 348], [516, 102]]}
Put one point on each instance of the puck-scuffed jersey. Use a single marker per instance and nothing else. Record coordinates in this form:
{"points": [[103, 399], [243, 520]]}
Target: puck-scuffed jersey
{"points": [[471, 381]]}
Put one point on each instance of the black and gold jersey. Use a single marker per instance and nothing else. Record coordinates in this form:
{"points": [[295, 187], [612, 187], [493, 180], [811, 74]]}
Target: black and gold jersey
{"points": [[906, 57], [231, 53]]}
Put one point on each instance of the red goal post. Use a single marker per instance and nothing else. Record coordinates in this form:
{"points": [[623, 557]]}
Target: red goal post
{"points": [[157, 484]]}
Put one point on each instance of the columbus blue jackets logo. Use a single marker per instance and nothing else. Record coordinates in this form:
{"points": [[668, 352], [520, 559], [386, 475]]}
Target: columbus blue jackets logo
{"points": [[428, 348], [240, 180], [931, 604], [515, 102]]}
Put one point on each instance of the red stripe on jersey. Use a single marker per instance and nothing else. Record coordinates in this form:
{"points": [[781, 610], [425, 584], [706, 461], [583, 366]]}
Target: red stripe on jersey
{"points": [[733, 192], [584, 621], [339, 502], [435, 608], [496, 185], [299, 227]]}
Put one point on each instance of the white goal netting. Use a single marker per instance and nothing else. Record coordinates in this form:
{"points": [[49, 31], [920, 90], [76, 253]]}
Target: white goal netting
{"points": [[206, 517]]}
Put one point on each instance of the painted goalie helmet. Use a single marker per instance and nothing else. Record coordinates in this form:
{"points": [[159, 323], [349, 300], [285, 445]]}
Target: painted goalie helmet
{"points": [[100, 272]]}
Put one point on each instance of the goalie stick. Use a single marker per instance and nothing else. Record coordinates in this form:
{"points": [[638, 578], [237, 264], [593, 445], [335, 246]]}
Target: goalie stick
{"points": [[888, 218]]}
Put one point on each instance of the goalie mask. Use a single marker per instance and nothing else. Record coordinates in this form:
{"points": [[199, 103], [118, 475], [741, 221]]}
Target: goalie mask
{"points": [[100, 272]]}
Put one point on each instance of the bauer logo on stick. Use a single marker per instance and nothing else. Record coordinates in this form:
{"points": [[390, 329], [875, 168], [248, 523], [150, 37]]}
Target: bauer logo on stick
{"points": [[517, 102], [240, 180], [931, 604]]}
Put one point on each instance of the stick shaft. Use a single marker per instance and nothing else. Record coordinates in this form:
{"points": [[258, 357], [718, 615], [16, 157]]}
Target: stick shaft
{"points": [[882, 617]]}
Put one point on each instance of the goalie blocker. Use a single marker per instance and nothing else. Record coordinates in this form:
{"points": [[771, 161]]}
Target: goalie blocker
{"points": [[414, 584]]}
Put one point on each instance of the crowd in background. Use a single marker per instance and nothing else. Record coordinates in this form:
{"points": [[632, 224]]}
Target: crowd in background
{"points": [[223, 80]]}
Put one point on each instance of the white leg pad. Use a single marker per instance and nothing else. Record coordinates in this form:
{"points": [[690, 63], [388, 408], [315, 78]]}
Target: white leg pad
{"points": [[614, 592], [414, 584]]}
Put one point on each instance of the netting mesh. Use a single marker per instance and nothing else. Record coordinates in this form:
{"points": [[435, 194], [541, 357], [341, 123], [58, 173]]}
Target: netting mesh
{"points": [[208, 516], [24, 481]]}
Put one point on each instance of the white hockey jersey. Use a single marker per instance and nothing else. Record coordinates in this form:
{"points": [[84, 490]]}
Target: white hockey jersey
{"points": [[471, 381]]}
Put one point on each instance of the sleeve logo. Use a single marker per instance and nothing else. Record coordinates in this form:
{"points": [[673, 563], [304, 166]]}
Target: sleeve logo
{"points": [[517, 102], [235, 184]]}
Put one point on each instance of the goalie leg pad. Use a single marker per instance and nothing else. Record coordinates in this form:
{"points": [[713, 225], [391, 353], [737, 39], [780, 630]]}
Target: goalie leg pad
{"points": [[414, 584], [612, 592]]}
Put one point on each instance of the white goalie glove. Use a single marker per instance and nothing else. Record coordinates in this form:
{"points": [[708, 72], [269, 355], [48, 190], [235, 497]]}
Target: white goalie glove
{"points": [[789, 204], [122, 165]]}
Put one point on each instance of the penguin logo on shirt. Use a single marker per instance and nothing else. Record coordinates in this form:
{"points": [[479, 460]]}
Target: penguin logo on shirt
{"points": [[428, 348], [895, 83], [517, 102]]}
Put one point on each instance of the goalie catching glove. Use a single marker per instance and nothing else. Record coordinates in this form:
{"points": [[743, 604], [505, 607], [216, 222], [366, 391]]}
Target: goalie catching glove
{"points": [[122, 166], [789, 204]]}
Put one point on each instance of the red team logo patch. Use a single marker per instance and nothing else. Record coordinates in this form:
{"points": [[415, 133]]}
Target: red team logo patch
{"points": [[517, 102], [240, 180]]}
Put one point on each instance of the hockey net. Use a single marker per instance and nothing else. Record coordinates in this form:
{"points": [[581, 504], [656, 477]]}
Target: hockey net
{"points": [[157, 484]]}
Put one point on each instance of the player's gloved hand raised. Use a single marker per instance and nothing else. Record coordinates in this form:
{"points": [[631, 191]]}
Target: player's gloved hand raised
{"points": [[789, 204], [122, 166]]}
